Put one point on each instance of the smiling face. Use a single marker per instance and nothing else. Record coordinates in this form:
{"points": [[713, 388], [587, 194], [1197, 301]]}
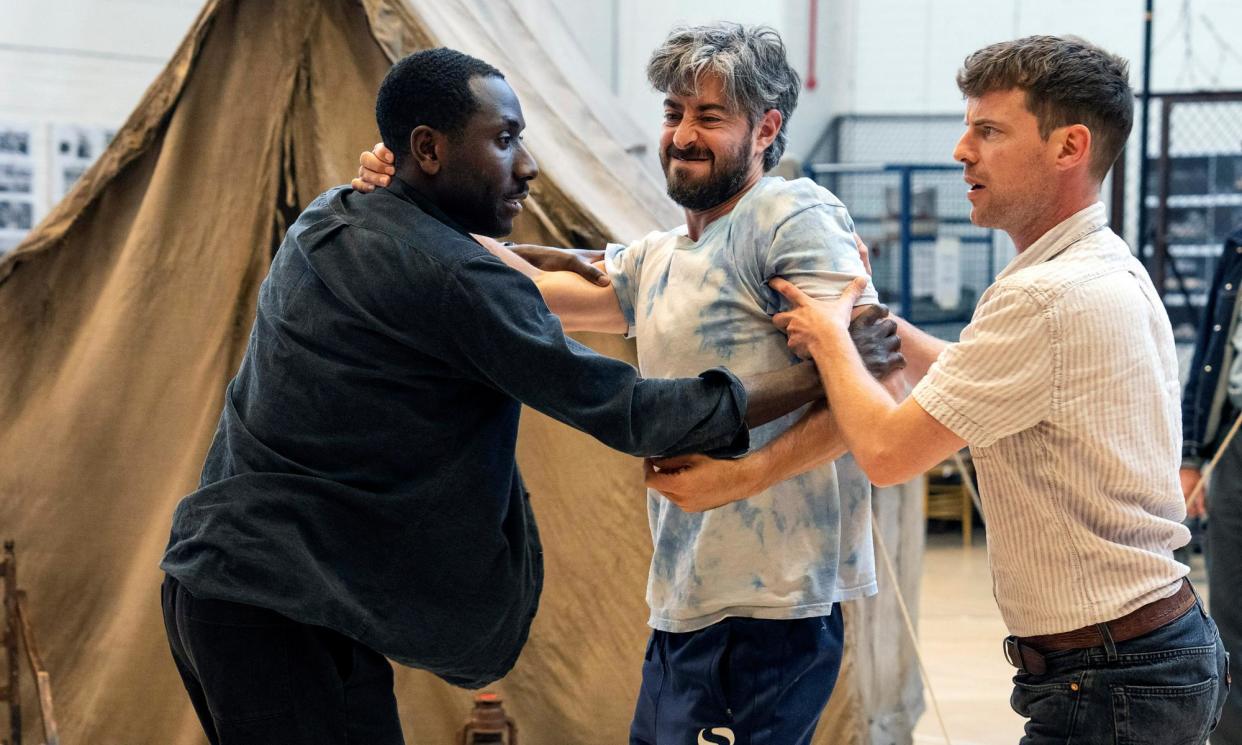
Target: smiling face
{"points": [[1011, 170], [485, 168], [707, 149]]}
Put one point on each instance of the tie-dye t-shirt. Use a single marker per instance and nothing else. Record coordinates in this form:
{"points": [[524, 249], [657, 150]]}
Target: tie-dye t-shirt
{"points": [[797, 548]]}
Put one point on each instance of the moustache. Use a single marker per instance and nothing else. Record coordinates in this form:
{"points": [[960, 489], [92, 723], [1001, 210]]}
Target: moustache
{"points": [[692, 154]]}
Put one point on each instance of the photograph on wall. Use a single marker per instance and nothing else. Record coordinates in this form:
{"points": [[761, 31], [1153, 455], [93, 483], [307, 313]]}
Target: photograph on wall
{"points": [[18, 160], [15, 140], [75, 147]]}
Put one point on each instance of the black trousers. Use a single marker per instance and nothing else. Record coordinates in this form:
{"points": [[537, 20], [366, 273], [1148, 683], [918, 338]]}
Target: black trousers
{"points": [[1224, 572], [258, 678]]}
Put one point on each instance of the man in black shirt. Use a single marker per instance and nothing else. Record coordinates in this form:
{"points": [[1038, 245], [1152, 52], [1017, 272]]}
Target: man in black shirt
{"points": [[360, 499]]}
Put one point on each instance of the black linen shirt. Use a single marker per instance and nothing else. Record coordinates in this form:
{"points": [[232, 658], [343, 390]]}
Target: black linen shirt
{"points": [[362, 476]]}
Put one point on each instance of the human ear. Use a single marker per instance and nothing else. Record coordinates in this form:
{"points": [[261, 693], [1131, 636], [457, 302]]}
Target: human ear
{"points": [[425, 149], [1073, 146], [769, 127]]}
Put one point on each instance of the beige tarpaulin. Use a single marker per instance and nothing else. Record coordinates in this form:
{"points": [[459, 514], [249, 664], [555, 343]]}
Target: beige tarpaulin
{"points": [[125, 312]]}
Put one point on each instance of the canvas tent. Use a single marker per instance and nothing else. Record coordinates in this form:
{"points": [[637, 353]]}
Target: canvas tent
{"points": [[123, 315]]}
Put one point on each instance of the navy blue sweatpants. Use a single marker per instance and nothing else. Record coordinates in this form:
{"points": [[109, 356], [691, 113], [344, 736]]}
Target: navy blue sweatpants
{"points": [[742, 681]]}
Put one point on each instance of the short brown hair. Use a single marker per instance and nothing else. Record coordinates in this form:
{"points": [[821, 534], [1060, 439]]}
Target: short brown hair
{"points": [[1067, 81]]}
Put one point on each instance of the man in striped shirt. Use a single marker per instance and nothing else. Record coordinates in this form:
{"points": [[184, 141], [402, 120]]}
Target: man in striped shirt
{"points": [[1064, 385]]}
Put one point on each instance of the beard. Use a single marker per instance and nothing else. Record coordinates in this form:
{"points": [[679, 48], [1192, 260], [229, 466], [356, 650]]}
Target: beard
{"points": [[725, 178]]}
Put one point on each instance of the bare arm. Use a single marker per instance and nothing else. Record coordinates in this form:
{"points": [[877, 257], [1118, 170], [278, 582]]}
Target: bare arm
{"points": [[774, 394], [920, 348], [580, 304], [892, 442], [697, 482]]}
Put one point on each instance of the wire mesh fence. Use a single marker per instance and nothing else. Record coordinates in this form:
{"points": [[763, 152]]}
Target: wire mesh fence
{"points": [[928, 261], [1190, 197]]}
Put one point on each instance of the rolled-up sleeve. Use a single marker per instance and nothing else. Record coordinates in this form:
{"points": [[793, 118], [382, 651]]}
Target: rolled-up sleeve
{"points": [[814, 249], [505, 333], [999, 379], [623, 264]]}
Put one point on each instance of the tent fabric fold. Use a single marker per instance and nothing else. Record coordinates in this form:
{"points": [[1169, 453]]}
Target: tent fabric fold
{"points": [[126, 311]]}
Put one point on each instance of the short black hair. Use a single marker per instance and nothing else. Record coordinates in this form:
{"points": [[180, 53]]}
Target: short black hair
{"points": [[431, 88]]}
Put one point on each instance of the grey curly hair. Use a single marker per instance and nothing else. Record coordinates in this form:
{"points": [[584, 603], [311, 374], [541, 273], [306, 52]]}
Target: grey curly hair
{"points": [[750, 62]]}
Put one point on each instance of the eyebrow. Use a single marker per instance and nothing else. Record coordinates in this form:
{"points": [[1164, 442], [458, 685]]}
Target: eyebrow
{"points": [[983, 122], [671, 104]]}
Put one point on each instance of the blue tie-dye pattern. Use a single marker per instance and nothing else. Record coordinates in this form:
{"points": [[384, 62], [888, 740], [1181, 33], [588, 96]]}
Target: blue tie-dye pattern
{"points": [[706, 303], [655, 292]]}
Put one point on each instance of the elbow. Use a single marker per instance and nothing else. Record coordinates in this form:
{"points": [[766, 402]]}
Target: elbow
{"points": [[885, 466]]}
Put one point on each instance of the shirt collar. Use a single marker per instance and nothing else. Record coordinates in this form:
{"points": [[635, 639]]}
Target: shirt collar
{"points": [[408, 193], [1069, 231]]}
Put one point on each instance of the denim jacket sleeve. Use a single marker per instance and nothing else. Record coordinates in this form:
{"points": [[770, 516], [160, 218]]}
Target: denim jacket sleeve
{"points": [[1201, 424], [505, 334]]}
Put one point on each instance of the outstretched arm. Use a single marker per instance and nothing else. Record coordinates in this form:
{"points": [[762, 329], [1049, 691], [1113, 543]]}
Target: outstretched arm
{"points": [[891, 442], [581, 304], [697, 482]]}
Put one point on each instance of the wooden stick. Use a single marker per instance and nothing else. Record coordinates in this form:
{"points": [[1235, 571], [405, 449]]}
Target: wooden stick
{"points": [[905, 616], [1212, 463]]}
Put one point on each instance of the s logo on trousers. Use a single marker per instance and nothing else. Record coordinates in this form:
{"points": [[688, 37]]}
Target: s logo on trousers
{"points": [[719, 736]]}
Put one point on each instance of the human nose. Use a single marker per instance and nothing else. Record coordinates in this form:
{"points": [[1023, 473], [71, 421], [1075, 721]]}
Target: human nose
{"points": [[524, 167], [963, 152], [684, 135]]}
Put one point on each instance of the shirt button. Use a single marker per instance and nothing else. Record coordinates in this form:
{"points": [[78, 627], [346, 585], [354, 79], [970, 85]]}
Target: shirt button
{"points": [[1207, 368], [1216, 327], [1228, 285]]}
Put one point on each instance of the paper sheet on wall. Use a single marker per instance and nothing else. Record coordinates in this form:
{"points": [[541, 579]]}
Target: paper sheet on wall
{"points": [[947, 292], [75, 148], [19, 208]]}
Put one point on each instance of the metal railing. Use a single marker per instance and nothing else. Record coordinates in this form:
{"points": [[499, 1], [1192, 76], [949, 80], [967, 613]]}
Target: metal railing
{"points": [[929, 262]]}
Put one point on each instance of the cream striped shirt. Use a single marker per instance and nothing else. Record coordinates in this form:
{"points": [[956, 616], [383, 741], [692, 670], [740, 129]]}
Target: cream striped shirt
{"points": [[1065, 386]]}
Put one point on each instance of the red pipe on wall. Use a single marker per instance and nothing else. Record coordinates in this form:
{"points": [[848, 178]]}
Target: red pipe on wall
{"points": [[811, 82]]}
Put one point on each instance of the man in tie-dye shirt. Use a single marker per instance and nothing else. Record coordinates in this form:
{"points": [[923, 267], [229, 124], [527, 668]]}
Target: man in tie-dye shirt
{"points": [[747, 638]]}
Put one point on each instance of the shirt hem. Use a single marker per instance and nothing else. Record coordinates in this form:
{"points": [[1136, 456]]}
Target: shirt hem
{"points": [[1051, 626], [767, 613]]}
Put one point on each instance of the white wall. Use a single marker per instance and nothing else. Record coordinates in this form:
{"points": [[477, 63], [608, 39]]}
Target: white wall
{"points": [[88, 61], [900, 56], [907, 58], [68, 64], [85, 62]]}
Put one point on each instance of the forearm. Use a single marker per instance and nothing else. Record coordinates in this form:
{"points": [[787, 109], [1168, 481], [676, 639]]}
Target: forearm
{"points": [[920, 349], [580, 305], [811, 442], [511, 259], [862, 408], [696, 482], [774, 394]]}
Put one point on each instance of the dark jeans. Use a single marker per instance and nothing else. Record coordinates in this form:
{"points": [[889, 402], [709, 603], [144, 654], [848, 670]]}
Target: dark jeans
{"points": [[258, 678], [742, 681], [1224, 567], [1165, 688]]}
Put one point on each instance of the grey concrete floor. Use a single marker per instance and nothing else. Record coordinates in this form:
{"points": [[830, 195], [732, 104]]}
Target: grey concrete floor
{"points": [[960, 633]]}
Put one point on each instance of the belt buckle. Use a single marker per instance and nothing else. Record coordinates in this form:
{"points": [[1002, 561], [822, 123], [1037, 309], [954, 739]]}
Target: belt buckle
{"points": [[1012, 653]]}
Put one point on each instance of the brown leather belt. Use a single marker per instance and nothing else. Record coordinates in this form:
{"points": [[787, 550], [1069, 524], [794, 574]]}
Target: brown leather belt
{"points": [[1027, 653]]}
